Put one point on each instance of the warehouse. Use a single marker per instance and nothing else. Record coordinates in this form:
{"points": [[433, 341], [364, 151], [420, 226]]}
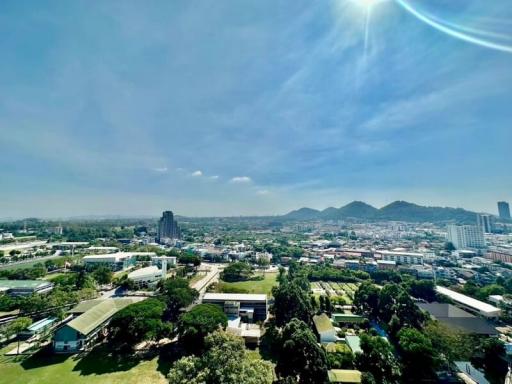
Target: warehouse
{"points": [[473, 305]]}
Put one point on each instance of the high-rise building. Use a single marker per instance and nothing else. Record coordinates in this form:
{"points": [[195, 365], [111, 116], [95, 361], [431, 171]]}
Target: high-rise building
{"points": [[504, 210], [168, 227], [466, 236], [485, 222]]}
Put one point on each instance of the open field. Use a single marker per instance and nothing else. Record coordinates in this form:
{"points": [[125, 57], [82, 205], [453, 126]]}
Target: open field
{"points": [[251, 286], [95, 368]]}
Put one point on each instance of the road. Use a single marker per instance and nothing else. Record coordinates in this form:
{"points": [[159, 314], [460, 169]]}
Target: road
{"points": [[212, 276], [28, 261]]}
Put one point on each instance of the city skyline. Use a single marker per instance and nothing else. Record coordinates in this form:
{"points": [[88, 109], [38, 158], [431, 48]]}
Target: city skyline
{"points": [[227, 109]]}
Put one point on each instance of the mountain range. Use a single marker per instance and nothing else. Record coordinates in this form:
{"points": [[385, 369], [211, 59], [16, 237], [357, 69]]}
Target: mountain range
{"points": [[398, 210]]}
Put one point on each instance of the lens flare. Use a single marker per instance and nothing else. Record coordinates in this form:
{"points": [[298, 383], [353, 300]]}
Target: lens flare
{"points": [[459, 34]]}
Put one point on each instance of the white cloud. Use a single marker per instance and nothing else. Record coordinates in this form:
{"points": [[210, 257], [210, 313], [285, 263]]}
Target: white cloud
{"points": [[161, 169], [215, 177], [241, 179], [263, 192], [197, 173]]}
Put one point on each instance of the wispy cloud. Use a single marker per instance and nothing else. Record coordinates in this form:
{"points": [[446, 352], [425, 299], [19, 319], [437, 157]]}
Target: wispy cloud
{"points": [[197, 173], [161, 169], [241, 180]]}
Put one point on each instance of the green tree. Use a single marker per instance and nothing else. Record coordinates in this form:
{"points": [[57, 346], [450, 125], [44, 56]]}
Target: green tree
{"points": [[366, 299], [300, 355], [193, 326], [138, 322], [16, 326], [238, 271], [418, 356], [291, 301], [225, 361], [103, 275], [378, 359], [177, 294]]}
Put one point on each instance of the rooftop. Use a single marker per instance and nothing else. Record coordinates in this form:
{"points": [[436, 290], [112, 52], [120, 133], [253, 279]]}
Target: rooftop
{"points": [[100, 313], [33, 284], [351, 376], [482, 307], [323, 323], [143, 272], [235, 296]]}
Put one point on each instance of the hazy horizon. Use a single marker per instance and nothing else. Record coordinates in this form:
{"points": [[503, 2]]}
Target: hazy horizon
{"points": [[229, 108]]}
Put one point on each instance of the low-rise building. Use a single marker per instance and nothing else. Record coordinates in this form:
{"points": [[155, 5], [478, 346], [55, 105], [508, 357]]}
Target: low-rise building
{"points": [[324, 328], [146, 277], [473, 305], [116, 261], [345, 376], [401, 257], [251, 307], [25, 287], [81, 332]]}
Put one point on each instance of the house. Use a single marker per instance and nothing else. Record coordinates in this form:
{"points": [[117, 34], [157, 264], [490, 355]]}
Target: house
{"points": [[345, 376], [79, 333], [324, 328]]}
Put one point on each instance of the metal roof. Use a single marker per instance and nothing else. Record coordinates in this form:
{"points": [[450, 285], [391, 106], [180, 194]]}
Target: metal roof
{"points": [[323, 323], [344, 376], [31, 284], [100, 313], [235, 297], [483, 308], [145, 272]]}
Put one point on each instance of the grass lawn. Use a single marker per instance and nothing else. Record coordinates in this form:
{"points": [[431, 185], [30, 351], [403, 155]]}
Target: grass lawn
{"points": [[95, 368], [251, 286]]}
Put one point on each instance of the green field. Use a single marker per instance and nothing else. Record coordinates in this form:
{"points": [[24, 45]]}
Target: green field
{"points": [[95, 368], [251, 286]]}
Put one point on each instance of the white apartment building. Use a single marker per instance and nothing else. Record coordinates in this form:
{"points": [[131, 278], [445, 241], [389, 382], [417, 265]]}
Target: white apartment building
{"points": [[401, 257], [466, 236]]}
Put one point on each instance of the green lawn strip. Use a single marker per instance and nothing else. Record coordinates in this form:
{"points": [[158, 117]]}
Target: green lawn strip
{"points": [[94, 368], [250, 286]]}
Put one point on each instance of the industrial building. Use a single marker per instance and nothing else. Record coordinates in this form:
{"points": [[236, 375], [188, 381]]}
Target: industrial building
{"points": [[472, 305]]}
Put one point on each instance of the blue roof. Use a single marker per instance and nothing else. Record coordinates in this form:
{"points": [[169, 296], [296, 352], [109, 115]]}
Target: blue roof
{"points": [[472, 372], [41, 324]]}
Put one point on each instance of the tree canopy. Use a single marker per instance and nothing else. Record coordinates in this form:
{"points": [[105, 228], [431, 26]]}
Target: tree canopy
{"points": [[300, 355], [177, 294], [225, 361], [193, 326], [138, 322]]}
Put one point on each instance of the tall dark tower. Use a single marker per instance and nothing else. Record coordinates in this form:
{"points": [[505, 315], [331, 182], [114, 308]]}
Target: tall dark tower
{"points": [[504, 210], [168, 227]]}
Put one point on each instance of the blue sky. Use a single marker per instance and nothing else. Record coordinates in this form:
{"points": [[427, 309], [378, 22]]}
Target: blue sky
{"points": [[228, 107]]}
